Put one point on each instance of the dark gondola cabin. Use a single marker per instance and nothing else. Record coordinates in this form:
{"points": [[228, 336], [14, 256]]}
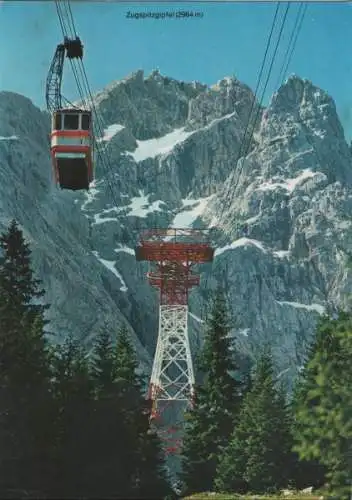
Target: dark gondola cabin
{"points": [[71, 148]]}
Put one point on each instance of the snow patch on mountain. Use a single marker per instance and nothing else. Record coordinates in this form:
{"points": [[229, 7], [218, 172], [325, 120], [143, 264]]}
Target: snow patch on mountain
{"points": [[110, 264], [190, 211], [91, 195], [218, 120], [309, 307], [10, 138], [241, 242], [282, 254], [280, 374], [196, 318], [159, 146], [110, 132], [289, 184], [99, 219], [244, 332], [125, 249], [140, 206]]}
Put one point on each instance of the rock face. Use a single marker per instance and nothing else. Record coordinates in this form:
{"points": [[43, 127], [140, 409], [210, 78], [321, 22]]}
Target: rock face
{"points": [[170, 155]]}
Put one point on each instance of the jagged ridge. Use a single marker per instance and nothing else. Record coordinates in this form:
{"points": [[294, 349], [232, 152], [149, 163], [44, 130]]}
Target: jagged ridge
{"points": [[282, 240]]}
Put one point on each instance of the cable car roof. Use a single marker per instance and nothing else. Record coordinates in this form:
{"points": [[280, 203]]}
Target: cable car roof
{"points": [[72, 111]]}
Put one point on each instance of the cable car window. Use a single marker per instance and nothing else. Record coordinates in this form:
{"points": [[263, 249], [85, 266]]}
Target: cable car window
{"points": [[58, 121], [71, 122], [85, 122]]}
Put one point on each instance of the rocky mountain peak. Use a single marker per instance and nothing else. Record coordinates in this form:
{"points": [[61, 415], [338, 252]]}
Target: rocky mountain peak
{"points": [[149, 106], [173, 152], [227, 96], [228, 82], [298, 100], [15, 111], [303, 117]]}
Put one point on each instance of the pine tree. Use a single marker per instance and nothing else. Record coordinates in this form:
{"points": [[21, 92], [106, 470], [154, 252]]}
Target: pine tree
{"points": [[103, 365], [18, 290], [26, 404], [306, 472], [143, 449], [73, 391], [18, 284], [323, 420], [258, 457], [111, 468], [216, 404]]}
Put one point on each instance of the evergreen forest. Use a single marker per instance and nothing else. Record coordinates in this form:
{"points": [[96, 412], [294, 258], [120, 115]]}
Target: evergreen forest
{"points": [[74, 425]]}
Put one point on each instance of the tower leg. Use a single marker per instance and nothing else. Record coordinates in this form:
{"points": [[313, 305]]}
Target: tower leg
{"points": [[172, 375]]}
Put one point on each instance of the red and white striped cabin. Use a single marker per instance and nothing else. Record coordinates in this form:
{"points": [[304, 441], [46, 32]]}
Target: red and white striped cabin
{"points": [[72, 148]]}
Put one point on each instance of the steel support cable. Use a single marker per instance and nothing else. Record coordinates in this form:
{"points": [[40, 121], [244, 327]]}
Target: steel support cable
{"points": [[99, 120], [292, 43], [105, 159], [227, 190], [294, 37], [73, 34], [59, 15], [295, 40], [74, 70], [261, 102], [65, 34], [101, 157], [258, 82], [70, 24], [84, 74], [259, 108], [224, 206], [268, 77], [282, 72], [81, 69], [272, 62], [100, 123], [269, 74]]}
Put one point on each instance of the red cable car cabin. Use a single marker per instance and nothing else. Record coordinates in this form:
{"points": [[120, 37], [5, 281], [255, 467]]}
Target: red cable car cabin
{"points": [[71, 148]]}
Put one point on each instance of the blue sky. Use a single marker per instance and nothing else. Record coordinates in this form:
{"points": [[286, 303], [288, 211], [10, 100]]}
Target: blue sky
{"points": [[229, 39]]}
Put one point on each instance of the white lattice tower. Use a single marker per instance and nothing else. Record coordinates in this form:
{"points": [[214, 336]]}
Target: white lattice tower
{"points": [[172, 376], [172, 379]]}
